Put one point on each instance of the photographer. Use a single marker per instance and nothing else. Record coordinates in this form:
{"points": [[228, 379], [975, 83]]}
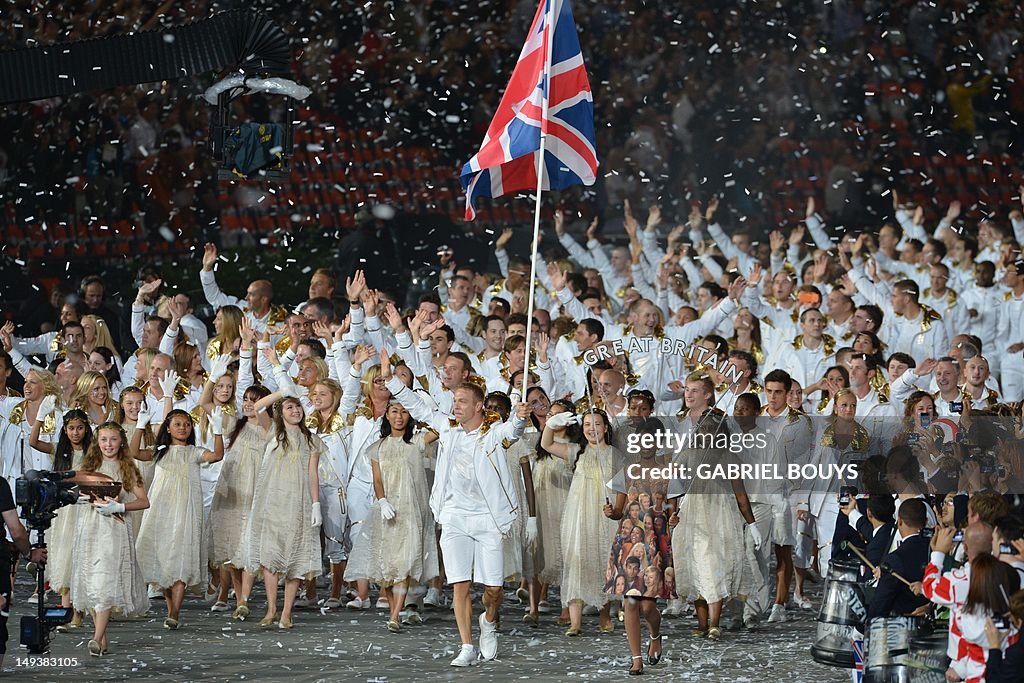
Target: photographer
{"points": [[1008, 666], [20, 539]]}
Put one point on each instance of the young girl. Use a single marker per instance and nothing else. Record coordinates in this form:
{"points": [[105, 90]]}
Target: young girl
{"points": [[131, 402], [395, 546], [586, 532], [75, 437], [232, 501], [218, 392], [282, 535], [551, 480], [106, 572], [92, 395], [172, 541]]}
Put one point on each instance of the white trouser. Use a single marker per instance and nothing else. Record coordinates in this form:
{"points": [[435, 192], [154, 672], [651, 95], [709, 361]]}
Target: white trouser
{"points": [[1012, 369]]}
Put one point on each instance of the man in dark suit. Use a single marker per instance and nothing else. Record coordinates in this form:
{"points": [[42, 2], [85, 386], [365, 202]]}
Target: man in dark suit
{"points": [[874, 530], [893, 597]]}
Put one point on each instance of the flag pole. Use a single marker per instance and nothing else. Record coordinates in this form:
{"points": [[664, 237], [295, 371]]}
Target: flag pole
{"points": [[549, 25]]}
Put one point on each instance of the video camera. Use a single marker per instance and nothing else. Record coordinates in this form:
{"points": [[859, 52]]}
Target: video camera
{"points": [[41, 493]]}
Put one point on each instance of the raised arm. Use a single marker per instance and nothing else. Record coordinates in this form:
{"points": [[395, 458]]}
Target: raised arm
{"points": [[211, 291]]}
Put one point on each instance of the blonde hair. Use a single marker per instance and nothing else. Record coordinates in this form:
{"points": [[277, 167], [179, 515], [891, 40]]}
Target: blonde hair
{"points": [[103, 337], [846, 391], [50, 386], [80, 395], [204, 419], [184, 354], [145, 358], [230, 328], [335, 390]]}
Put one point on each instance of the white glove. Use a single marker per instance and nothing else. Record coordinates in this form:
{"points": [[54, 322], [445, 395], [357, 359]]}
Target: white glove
{"points": [[318, 517], [108, 509], [219, 367], [168, 383], [755, 536], [531, 531], [217, 421], [145, 417], [387, 510], [561, 420], [285, 385], [46, 406]]}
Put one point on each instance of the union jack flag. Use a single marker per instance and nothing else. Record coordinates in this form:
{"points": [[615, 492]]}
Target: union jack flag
{"points": [[507, 160]]}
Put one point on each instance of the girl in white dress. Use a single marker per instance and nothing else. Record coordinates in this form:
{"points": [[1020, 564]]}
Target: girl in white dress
{"points": [[282, 535], [713, 550], [586, 533], [232, 501], [75, 438], [171, 546], [218, 392], [106, 572], [395, 546], [551, 480]]}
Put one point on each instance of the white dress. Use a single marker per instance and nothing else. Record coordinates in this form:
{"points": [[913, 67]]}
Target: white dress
{"points": [[106, 572], [519, 560], [147, 468], [170, 544], [232, 501], [388, 552], [279, 535], [712, 556], [551, 480], [60, 540], [586, 532]]}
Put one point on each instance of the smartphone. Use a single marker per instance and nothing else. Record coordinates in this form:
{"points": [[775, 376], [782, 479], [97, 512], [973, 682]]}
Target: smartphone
{"points": [[926, 420], [927, 532], [956, 406], [845, 493], [1000, 622], [1007, 549], [958, 537]]}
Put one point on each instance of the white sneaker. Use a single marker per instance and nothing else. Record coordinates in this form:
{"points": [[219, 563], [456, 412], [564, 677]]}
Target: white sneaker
{"points": [[488, 638], [220, 607], [778, 614], [411, 617], [356, 603], [382, 603], [154, 593], [802, 602], [673, 609], [434, 598], [467, 656], [33, 599]]}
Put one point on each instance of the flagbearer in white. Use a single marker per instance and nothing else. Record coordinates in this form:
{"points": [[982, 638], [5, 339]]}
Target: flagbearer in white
{"points": [[474, 500]]}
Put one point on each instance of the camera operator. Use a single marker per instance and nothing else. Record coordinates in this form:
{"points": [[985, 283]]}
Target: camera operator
{"points": [[19, 536]]}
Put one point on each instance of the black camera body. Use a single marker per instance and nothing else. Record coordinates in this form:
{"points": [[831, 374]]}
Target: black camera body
{"points": [[41, 493]]}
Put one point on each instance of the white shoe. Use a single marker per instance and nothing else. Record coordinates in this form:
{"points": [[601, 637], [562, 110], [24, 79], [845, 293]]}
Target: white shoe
{"points": [[488, 638], [751, 620], [467, 656], [523, 596], [356, 603], [544, 607], [778, 614], [411, 618], [673, 609], [434, 598], [802, 602], [332, 603], [590, 611], [154, 593], [220, 607], [382, 603], [33, 599]]}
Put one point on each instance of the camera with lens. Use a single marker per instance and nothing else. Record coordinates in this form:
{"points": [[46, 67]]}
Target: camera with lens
{"points": [[41, 493]]}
